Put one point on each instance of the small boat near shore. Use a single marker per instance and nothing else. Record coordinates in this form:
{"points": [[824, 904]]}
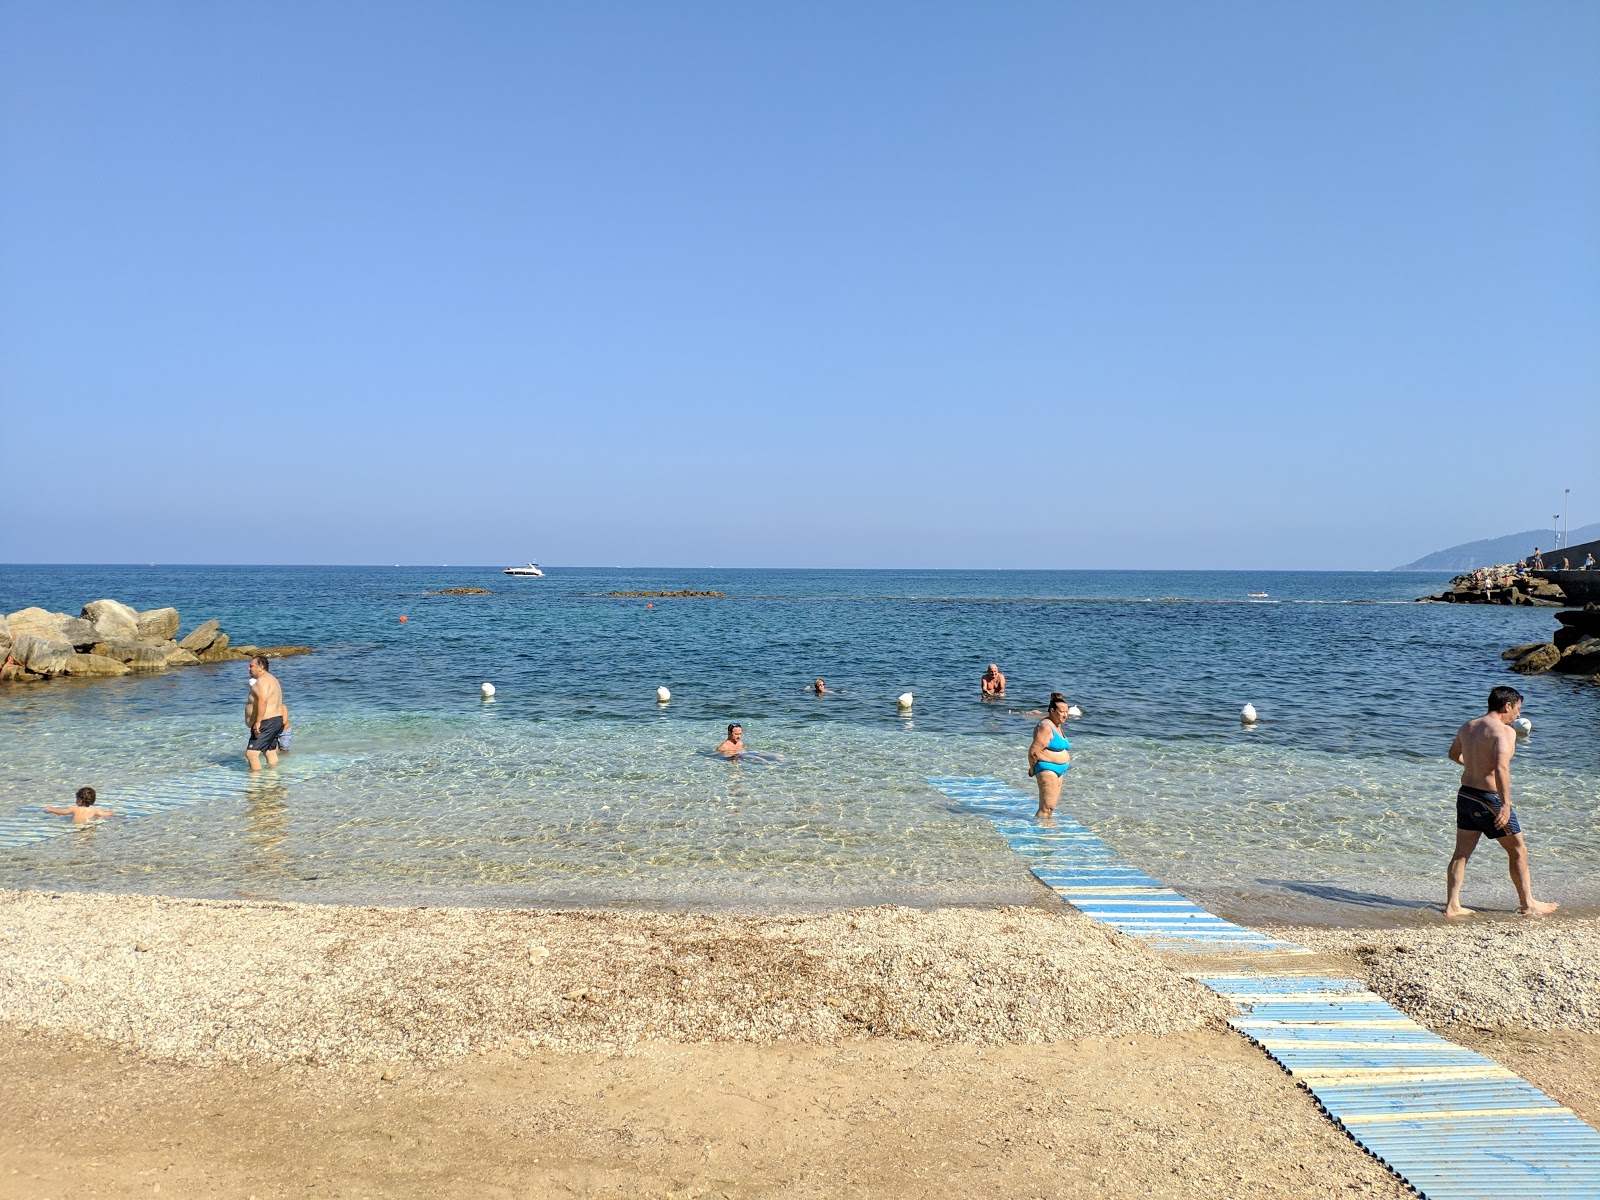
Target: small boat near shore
{"points": [[531, 569]]}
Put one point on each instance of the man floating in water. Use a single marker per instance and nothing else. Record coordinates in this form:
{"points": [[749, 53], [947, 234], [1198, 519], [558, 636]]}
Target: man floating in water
{"points": [[263, 712], [733, 745], [994, 683], [1484, 748]]}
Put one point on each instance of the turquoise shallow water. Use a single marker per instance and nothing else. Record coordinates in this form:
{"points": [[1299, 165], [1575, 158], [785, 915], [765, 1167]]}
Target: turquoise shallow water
{"points": [[574, 786]]}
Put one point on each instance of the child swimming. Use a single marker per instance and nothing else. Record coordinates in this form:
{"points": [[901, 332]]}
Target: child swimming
{"points": [[85, 810]]}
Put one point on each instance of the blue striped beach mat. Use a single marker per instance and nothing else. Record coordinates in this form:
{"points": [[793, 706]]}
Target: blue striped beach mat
{"points": [[1451, 1123], [31, 825], [1074, 863]]}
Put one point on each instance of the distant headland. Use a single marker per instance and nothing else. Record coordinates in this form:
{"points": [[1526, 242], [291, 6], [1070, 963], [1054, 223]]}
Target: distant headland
{"points": [[1488, 552]]}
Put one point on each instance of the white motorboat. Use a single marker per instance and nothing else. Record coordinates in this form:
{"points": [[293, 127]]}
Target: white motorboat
{"points": [[531, 569]]}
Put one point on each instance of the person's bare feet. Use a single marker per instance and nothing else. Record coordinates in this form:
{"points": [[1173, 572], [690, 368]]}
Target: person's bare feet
{"points": [[1538, 908], [1458, 911]]}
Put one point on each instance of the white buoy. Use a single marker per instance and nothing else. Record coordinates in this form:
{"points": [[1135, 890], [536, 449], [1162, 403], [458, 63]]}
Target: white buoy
{"points": [[662, 695], [1247, 714], [1523, 726], [488, 691], [905, 699], [1074, 712]]}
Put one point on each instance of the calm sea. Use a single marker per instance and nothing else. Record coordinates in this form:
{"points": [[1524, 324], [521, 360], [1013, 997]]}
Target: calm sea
{"points": [[575, 786]]}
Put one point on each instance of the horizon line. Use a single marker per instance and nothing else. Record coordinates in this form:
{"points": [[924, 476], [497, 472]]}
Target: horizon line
{"points": [[736, 567]]}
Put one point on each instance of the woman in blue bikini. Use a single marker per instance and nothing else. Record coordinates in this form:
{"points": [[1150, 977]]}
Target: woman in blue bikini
{"points": [[1048, 757]]}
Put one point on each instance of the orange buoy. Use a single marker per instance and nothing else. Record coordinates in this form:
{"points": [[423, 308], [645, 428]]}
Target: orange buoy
{"points": [[649, 605], [402, 620]]}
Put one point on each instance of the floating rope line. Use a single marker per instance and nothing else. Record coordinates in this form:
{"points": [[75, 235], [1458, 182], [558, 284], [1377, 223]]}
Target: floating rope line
{"points": [[1451, 1123]]}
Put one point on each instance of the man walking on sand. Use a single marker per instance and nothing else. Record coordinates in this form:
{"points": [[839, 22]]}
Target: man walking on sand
{"points": [[1483, 805], [263, 712]]}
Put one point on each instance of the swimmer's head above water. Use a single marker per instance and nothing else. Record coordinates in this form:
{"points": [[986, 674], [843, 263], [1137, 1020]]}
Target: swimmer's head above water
{"points": [[733, 744], [819, 687], [86, 797]]}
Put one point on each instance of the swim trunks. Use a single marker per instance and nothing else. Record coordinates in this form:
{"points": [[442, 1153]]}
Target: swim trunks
{"points": [[1476, 810], [284, 739], [267, 739]]}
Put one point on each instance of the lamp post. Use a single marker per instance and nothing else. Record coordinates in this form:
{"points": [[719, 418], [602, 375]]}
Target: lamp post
{"points": [[1566, 522]]}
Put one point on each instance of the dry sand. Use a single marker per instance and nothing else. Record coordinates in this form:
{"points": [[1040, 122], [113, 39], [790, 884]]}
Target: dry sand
{"points": [[260, 1049], [1193, 1115]]}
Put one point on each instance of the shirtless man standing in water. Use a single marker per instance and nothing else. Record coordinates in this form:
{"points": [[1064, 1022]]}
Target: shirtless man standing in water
{"points": [[1483, 805], [263, 712]]}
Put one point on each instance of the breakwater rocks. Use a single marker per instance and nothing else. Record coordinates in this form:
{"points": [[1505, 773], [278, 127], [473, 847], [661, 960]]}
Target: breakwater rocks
{"points": [[1501, 585], [109, 639], [673, 595], [1575, 649]]}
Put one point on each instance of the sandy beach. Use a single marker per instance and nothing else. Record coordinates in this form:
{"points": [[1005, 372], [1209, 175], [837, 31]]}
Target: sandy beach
{"points": [[878, 1052]]}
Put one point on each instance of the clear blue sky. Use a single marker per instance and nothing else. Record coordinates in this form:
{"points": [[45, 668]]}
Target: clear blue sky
{"points": [[883, 284]]}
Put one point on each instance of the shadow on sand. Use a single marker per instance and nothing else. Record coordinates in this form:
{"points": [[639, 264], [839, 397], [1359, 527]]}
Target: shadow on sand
{"points": [[1339, 895]]}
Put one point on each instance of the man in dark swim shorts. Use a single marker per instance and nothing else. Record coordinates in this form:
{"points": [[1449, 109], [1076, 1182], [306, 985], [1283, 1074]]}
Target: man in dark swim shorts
{"points": [[1478, 810], [263, 713], [1484, 748]]}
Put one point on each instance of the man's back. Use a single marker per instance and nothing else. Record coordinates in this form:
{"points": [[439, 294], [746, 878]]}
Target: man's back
{"points": [[1485, 743]]}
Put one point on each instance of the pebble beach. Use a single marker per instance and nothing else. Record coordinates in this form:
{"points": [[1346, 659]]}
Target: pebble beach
{"points": [[208, 981], [214, 981]]}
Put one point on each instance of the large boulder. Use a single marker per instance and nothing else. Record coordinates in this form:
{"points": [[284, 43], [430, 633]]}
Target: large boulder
{"points": [[41, 656], [199, 639], [1581, 658], [82, 634], [114, 621], [1538, 660], [36, 621], [217, 651], [142, 656], [177, 656], [1519, 651], [158, 624], [5, 638], [1586, 619], [1569, 635], [93, 665]]}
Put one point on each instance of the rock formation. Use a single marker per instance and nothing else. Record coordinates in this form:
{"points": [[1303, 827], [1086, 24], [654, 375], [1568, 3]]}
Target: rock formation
{"points": [[1575, 649], [1502, 585], [110, 639]]}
